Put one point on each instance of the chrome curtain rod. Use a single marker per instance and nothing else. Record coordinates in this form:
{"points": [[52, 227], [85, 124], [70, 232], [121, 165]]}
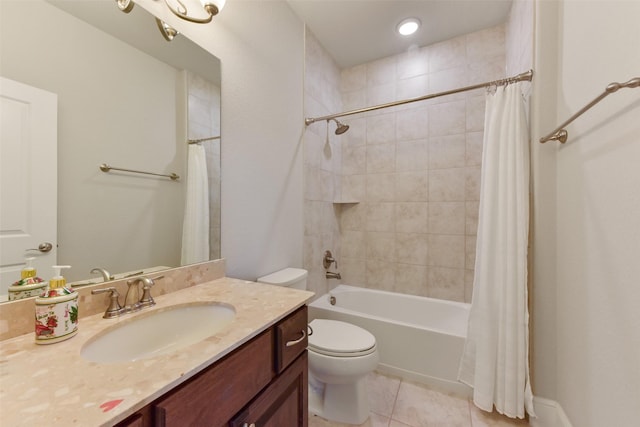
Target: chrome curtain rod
{"points": [[527, 76], [106, 168], [560, 134], [195, 141]]}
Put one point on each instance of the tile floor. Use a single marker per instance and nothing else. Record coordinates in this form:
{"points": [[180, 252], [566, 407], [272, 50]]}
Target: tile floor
{"points": [[398, 403]]}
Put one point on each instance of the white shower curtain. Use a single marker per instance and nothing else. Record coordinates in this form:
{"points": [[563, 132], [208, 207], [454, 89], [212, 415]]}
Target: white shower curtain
{"points": [[495, 361], [195, 227]]}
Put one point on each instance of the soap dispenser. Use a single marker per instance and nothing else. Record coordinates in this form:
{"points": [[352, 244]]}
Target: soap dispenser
{"points": [[29, 285], [57, 310]]}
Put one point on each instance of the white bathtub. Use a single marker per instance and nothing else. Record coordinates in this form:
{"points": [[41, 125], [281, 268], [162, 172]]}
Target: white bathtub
{"points": [[419, 338]]}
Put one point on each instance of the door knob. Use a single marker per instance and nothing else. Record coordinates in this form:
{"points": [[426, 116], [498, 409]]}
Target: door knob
{"points": [[43, 247]]}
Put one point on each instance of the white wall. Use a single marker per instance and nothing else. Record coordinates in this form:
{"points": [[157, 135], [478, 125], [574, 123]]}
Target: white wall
{"points": [[543, 260], [322, 163], [116, 105], [519, 37], [599, 216], [261, 47], [597, 328]]}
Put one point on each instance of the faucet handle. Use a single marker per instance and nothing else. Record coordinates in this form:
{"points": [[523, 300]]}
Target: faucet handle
{"points": [[147, 299], [147, 282], [329, 259], [114, 308]]}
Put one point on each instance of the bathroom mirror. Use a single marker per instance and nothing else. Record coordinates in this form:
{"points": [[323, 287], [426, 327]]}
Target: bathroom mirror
{"points": [[123, 97]]}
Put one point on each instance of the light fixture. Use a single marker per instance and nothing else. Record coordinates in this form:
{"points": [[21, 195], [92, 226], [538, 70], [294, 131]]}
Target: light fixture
{"points": [[408, 26], [167, 31], [211, 7], [125, 5]]}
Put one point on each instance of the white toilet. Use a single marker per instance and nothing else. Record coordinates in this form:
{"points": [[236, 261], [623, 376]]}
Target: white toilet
{"points": [[340, 357]]}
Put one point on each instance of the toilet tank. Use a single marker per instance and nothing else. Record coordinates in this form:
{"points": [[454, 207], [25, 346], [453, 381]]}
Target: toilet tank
{"points": [[290, 277]]}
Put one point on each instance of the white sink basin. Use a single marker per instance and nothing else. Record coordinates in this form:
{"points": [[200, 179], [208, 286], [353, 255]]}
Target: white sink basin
{"points": [[158, 332]]}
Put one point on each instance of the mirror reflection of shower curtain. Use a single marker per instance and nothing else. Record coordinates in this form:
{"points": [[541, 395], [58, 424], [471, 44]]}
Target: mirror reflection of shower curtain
{"points": [[496, 354], [195, 228]]}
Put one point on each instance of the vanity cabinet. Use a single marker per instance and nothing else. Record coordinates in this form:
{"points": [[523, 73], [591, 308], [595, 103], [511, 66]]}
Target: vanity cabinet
{"points": [[282, 404], [261, 384]]}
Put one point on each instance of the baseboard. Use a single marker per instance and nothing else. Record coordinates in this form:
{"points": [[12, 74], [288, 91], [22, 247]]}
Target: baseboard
{"points": [[549, 414], [451, 387]]}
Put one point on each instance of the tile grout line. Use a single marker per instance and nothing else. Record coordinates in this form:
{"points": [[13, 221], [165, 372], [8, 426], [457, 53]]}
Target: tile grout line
{"points": [[469, 403], [395, 400]]}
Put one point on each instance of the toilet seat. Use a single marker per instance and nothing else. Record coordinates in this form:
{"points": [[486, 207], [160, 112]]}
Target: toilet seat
{"points": [[340, 339]]}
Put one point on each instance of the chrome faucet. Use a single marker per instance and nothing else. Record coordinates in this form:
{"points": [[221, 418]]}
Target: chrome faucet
{"points": [[115, 309], [326, 263], [332, 275], [146, 300], [135, 306], [105, 274]]}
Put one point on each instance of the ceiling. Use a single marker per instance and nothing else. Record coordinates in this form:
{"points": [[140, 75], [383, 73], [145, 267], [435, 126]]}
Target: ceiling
{"points": [[139, 29], [358, 31]]}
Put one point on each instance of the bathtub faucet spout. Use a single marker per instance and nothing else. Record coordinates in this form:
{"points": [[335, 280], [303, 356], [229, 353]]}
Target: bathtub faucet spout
{"points": [[332, 275]]}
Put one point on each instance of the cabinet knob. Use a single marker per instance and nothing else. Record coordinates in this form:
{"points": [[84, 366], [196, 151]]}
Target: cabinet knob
{"points": [[249, 425]]}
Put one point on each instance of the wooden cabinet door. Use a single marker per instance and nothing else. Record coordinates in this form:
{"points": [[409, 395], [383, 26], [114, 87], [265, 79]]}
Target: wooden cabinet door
{"points": [[214, 396], [135, 420], [282, 404], [142, 418]]}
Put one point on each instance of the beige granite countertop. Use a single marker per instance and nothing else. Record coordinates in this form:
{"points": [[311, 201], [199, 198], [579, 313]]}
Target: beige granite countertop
{"points": [[53, 385]]}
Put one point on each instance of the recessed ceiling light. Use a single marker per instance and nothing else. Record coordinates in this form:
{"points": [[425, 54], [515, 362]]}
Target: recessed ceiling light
{"points": [[408, 26]]}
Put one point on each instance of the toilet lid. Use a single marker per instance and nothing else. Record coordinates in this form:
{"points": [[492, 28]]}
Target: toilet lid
{"points": [[335, 338]]}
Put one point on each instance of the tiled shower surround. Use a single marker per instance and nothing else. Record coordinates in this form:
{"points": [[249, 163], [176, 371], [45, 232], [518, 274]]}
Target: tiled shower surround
{"points": [[413, 169]]}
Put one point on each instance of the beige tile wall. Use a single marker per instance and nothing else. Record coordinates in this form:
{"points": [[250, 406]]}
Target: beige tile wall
{"points": [[415, 168]]}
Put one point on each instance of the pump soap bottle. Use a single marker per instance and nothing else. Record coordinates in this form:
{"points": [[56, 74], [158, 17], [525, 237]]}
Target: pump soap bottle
{"points": [[57, 311], [29, 285]]}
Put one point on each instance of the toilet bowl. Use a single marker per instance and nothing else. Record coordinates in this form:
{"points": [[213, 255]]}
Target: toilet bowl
{"points": [[340, 357]]}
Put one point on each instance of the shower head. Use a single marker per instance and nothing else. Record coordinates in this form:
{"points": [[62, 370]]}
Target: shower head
{"points": [[340, 127]]}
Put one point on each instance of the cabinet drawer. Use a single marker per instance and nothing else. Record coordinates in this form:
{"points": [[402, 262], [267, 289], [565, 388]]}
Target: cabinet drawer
{"points": [[291, 338], [214, 396]]}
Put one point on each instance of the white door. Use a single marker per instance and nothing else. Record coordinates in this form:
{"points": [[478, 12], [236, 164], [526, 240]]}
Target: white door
{"points": [[28, 179]]}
